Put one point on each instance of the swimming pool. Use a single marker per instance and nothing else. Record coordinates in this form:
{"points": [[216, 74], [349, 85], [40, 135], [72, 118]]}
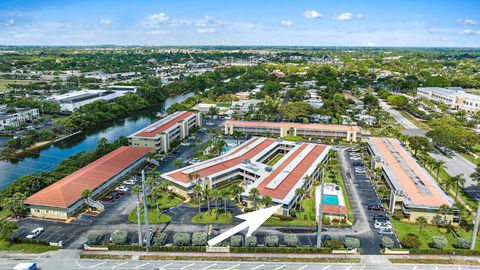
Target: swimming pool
{"points": [[330, 199]]}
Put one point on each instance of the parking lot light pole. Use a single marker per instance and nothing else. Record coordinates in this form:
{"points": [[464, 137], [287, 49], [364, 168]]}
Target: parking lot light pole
{"points": [[475, 226], [145, 210], [319, 217]]}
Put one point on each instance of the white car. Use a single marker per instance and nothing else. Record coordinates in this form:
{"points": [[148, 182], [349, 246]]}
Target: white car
{"points": [[130, 182], [35, 233], [355, 158], [382, 225], [122, 188], [210, 124]]}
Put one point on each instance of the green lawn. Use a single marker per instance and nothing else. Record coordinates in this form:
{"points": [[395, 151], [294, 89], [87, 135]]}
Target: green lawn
{"points": [[25, 248], [274, 160], [292, 138], [153, 217], [164, 202], [308, 206], [420, 124], [211, 217], [341, 183], [403, 228], [4, 83]]}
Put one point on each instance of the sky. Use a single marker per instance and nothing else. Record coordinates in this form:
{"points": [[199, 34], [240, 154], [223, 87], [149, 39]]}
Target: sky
{"points": [[397, 23]]}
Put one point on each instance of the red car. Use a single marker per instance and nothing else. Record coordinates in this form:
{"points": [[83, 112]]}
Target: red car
{"points": [[119, 192], [107, 199]]}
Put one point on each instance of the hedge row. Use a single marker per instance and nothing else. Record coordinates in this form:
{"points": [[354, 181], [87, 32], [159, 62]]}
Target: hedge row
{"points": [[30, 241], [463, 252], [293, 250], [154, 248]]}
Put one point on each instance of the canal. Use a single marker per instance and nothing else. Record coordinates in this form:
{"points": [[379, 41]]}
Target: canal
{"points": [[49, 157]]}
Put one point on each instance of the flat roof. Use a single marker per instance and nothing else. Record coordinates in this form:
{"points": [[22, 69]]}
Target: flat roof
{"points": [[163, 124], [67, 190], [420, 189], [289, 125]]}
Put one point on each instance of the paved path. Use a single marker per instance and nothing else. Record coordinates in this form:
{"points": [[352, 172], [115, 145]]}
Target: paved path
{"points": [[410, 128]]}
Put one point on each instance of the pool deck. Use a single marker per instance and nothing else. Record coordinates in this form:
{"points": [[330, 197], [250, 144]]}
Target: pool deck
{"points": [[329, 190]]}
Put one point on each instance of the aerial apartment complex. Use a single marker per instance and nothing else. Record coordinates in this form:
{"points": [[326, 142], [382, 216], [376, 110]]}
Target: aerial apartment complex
{"points": [[63, 199], [250, 164], [161, 134], [454, 97], [414, 191], [17, 118], [281, 129]]}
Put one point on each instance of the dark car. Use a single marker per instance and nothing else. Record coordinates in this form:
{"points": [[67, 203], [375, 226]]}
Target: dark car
{"points": [[358, 164], [376, 207], [381, 218], [326, 237]]}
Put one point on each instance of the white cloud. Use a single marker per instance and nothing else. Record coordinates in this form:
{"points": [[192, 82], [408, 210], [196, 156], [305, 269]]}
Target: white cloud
{"points": [[105, 22], [469, 32], [371, 43], [360, 16], [286, 23], [435, 30], [9, 22], [155, 20], [206, 30], [158, 32], [343, 17], [467, 21], [312, 14]]}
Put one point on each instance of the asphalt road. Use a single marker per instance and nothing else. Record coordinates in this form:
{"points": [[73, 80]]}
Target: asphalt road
{"points": [[410, 128]]}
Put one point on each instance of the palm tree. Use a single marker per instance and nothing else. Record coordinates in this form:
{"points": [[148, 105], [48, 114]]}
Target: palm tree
{"points": [[6, 230], [155, 194], [208, 193], [322, 166], [422, 221], [193, 176], [300, 192], [448, 183], [153, 175], [137, 190], [253, 194], [476, 175], [237, 191], [444, 210], [437, 165], [266, 200], [225, 194], [177, 163], [457, 181], [198, 191]]}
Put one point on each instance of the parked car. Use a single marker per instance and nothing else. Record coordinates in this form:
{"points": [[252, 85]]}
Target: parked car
{"points": [[122, 188], [358, 164], [35, 233], [119, 192], [375, 207], [382, 225], [107, 199], [360, 170], [385, 231], [130, 182], [210, 124], [381, 218], [355, 158]]}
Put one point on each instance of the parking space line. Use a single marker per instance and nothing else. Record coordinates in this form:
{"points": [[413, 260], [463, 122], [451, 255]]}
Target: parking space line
{"points": [[212, 265], [414, 268], [326, 267], [187, 266], [348, 267], [119, 264], [256, 267], [363, 267], [96, 265], [231, 267], [163, 266], [280, 267], [303, 267], [141, 265]]}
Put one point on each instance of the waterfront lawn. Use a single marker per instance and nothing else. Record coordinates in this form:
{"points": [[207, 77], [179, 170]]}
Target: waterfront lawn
{"points": [[154, 217], [211, 217], [425, 236], [26, 248]]}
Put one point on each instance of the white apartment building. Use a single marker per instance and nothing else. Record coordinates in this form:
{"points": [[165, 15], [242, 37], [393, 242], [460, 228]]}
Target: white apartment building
{"points": [[454, 97], [74, 100], [19, 117]]}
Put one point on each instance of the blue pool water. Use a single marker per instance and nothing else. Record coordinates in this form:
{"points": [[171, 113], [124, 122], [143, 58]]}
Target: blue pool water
{"points": [[330, 199]]}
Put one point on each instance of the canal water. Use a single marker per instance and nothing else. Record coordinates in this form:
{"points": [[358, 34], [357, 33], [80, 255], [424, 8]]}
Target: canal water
{"points": [[49, 157]]}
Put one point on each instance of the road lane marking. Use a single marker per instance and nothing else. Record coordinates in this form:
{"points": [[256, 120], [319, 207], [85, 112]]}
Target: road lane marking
{"points": [[256, 267], [212, 265], [98, 264], [231, 267], [326, 267], [280, 267], [187, 266], [141, 265], [119, 265], [303, 267]]}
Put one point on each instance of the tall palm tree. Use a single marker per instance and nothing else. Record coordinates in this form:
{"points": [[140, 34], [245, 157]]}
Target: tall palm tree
{"points": [[444, 210], [208, 194], [86, 194], [253, 194], [422, 221], [193, 176], [322, 166], [154, 175], [155, 194], [300, 192], [437, 165], [226, 195], [198, 191], [137, 190], [237, 191], [459, 182], [266, 200]]}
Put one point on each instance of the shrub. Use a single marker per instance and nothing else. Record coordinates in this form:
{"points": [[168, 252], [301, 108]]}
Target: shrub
{"points": [[283, 250], [439, 242], [236, 241], [463, 243], [387, 242], [199, 239], [293, 213], [333, 244], [271, 241], [397, 215], [250, 241], [181, 239], [335, 220], [160, 239], [118, 237], [351, 242], [93, 238], [325, 220], [291, 240], [410, 241]]}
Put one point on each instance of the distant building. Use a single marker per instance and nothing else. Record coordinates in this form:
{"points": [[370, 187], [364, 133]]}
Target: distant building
{"points": [[20, 116], [454, 97], [281, 129], [74, 100], [161, 134]]}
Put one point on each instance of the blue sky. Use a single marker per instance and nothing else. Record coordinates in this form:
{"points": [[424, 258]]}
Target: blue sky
{"points": [[241, 22]]}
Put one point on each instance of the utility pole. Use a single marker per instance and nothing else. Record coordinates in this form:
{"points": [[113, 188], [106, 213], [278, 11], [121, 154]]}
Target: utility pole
{"points": [[148, 235], [319, 216], [475, 225]]}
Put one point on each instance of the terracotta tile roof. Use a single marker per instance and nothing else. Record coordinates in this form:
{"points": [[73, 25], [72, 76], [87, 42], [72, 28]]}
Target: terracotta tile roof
{"points": [[435, 197], [215, 167], [294, 176], [334, 209], [165, 126], [294, 125], [67, 190]]}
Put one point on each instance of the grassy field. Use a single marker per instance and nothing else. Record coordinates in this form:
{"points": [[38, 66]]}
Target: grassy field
{"points": [[153, 217], [304, 218], [211, 217], [403, 228], [4, 83], [25, 248], [420, 124], [164, 202]]}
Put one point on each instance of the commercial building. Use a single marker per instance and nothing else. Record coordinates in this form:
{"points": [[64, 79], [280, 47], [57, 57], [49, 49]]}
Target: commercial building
{"points": [[161, 134], [454, 97], [73, 100], [414, 192], [62, 199], [20, 116], [274, 167], [281, 129]]}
